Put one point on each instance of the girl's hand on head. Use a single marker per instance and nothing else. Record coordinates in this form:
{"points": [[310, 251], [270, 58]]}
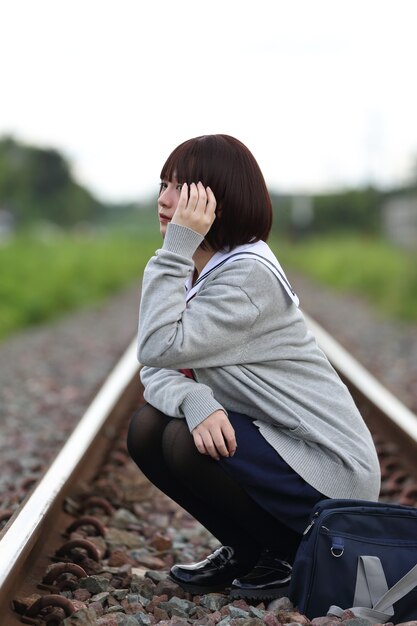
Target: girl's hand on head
{"points": [[215, 436], [196, 209]]}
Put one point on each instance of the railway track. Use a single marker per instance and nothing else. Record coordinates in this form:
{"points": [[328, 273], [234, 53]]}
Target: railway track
{"points": [[64, 548]]}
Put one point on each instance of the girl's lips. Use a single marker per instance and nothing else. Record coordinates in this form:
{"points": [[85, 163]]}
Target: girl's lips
{"points": [[164, 218]]}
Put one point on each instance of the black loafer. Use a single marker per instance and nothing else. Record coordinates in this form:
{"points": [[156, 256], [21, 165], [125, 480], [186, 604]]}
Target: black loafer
{"points": [[269, 579], [214, 573]]}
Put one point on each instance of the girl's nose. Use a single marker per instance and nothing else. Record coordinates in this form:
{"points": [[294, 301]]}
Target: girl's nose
{"points": [[166, 197]]}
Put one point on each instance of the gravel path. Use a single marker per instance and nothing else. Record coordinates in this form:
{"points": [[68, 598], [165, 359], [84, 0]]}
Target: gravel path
{"points": [[49, 375]]}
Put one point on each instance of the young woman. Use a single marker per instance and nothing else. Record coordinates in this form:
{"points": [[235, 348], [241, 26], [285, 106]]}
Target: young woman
{"points": [[247, 425]]}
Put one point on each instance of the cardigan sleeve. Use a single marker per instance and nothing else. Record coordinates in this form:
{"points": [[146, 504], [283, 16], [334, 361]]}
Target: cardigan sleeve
{"points": [[178, 396], [213, 330]]}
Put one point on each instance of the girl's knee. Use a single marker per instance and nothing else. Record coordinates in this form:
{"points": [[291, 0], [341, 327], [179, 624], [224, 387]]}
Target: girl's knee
{"points": [[179, 449], [145, 430]]}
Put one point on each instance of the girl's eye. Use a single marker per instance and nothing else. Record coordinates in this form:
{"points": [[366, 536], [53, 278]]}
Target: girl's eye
{"points": [[164, 185]]}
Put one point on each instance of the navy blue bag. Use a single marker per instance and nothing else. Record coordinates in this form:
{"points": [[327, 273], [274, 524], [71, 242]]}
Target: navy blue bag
{"points": [[358, 555]]}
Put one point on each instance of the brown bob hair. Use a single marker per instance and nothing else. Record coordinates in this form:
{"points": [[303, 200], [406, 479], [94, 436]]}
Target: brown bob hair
{"points": [[244, 209]]}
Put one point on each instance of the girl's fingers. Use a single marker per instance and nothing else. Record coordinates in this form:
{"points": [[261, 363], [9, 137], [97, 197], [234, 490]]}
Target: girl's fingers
{"points": [[210, 206], [217, 442], [192, 198], [215, 436], [197, 198], [204, 444], [229, 438], [198, 441], [209, 445], [196, 208], [182, 202], [202, 198]]}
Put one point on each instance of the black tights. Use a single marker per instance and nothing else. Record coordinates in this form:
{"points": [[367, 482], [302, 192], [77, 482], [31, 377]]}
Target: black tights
{"points": [[165, 452]]}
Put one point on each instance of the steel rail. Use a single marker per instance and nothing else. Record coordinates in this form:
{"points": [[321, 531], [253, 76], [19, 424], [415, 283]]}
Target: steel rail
{"points": [[388, 413], [24, 530], [364, 381]]}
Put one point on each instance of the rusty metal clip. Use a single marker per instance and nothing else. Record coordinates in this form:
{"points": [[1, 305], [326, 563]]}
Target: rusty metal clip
{"points": [[95, 502], [52, 600], [86, 545], [54, 572], [87, 520]]}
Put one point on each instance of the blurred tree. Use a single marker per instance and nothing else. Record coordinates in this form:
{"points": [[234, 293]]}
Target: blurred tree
{"points": [[36, 183], [354, 209], [347, 210]]}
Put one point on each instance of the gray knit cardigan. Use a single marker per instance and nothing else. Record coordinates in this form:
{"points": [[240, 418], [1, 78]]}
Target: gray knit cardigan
{"points": [[251, 352]]}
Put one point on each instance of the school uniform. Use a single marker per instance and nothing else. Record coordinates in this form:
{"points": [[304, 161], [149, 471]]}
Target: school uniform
{"points": [[242, 335]]}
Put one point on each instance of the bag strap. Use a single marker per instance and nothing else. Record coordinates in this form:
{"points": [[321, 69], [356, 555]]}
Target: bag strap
{"points": [[375, 617], [399, 590], [371, 583], [371, 575]]}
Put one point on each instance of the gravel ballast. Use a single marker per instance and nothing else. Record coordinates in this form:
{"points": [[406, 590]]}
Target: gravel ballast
{"points": [[48, 377]]}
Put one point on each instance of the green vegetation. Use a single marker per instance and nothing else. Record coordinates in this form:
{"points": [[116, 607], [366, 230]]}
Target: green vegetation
{"points": [[60, 248], [37, 183], [357, 210], [368, 266], [42, 278], [48, 276]]}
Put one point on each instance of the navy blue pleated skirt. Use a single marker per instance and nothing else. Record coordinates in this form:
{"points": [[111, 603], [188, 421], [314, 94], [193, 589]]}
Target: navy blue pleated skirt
{"points": [[267, 478]]}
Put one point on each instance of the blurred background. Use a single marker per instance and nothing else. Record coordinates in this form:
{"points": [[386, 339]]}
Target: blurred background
{"points": [[97, 93]]}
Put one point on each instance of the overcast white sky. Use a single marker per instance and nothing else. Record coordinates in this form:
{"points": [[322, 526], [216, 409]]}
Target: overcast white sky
{"points": [[323, 92]]}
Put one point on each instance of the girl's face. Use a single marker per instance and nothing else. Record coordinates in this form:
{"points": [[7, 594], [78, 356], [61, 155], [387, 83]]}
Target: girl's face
{"points": [[169, 194]]}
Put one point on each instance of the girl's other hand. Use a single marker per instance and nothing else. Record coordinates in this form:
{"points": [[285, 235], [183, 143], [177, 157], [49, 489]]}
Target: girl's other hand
{"points": [[196, 209], [215, 436]]}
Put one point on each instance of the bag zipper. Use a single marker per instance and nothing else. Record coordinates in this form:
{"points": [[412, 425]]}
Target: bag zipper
{"points": [[311, 524]]}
